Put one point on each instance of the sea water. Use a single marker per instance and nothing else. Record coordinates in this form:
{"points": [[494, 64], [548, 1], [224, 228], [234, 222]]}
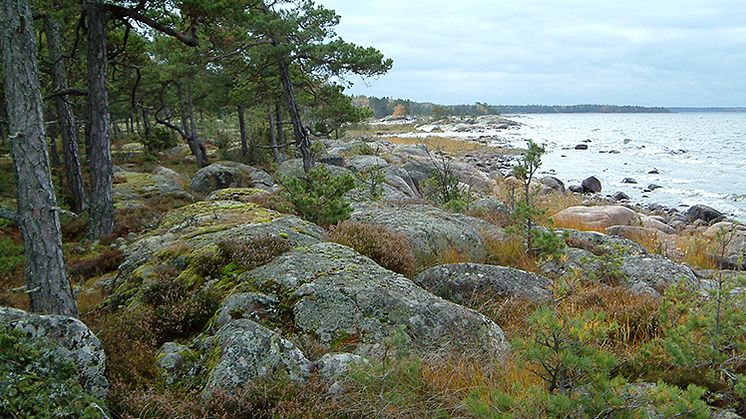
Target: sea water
{"points": [[700, 158]]}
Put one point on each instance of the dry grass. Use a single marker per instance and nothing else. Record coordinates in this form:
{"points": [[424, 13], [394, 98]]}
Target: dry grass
{"points": [[511, 253], [633, 318], [452, 255], [576, 223], [698, 251], [443, 144]]}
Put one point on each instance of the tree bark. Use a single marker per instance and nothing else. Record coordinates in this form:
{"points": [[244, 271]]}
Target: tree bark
{"points": [[301, 134], [242, 127], [193, 129], [147, 127], [273, 137], [280, 129], [67, 125], [101, 223], [38, 218], [187, 123], [54, 155]]}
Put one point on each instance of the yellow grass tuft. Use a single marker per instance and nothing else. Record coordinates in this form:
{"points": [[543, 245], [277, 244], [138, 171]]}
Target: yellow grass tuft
{"points": [[452, 255], [698, 251], [448, 145], [576, 223], [512, 253]]}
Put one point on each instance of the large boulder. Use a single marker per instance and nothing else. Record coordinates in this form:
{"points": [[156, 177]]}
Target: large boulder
{"points": [[334, 293], [132, 189], [552, 184], [247, 351], [733, 236], [591, 185], [69, 339], [704, 213], [462, 282], [294, 168], [600, 244], [597, 218], [655, 273], [431, 231], [187, 239], [228, 174]]}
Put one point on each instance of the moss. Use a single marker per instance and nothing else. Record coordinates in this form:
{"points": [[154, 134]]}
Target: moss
{"points": [[229, 279], [236, 194], [212, 357], [207, 261], [224, 213], [191, 278]]}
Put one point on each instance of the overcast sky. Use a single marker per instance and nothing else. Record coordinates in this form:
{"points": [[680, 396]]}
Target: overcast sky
{"points": [[653, 52]]}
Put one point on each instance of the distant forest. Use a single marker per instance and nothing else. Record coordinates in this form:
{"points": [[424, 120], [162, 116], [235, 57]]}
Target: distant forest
{"points": [[385, 106]]}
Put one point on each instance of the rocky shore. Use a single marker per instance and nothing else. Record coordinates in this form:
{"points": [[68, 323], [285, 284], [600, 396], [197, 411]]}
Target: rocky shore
{"points": [[271, 296]]}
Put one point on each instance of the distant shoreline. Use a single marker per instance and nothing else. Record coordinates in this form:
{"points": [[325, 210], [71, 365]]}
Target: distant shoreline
{"points": [[386, 106]]}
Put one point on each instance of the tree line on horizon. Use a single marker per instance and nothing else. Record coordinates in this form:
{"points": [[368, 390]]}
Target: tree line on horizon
{"points": [[385, 106]]}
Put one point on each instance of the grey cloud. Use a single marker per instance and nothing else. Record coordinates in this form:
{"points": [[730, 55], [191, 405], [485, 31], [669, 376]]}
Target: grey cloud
{"points": [[665, 52]]}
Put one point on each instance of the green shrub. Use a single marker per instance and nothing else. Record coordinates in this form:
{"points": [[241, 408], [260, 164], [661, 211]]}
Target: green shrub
{"points": [[703, 340], [373, 178], [35, 382], [160, 139], [579, 377], [525, 211], [444, 188], [388, 249], [319, 196], [548, 244]]}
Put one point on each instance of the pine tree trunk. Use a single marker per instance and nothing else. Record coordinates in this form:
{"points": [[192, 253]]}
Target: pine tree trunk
{"points": [[46, 279], [67, 125], [54, 155], [301, 134], [101, 223], [280, 129], [196, 147], [147, 127], [116, 132], [242, 128], [203, 161], [273, 137]]}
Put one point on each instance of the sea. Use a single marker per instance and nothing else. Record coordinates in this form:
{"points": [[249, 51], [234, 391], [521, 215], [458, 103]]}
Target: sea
{"points": [[695, 158]]}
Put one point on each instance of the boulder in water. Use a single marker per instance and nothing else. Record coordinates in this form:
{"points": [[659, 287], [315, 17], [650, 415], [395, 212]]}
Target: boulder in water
{"points": [[591, 185], [702, 212]]}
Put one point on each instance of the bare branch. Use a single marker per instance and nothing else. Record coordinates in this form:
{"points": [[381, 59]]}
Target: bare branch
{"points": [[67, 92], [124, 12]]}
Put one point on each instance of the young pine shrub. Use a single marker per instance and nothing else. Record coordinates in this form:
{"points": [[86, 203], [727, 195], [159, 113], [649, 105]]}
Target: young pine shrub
{"points": [[319, 196], [390, 250], [703, 341]]}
